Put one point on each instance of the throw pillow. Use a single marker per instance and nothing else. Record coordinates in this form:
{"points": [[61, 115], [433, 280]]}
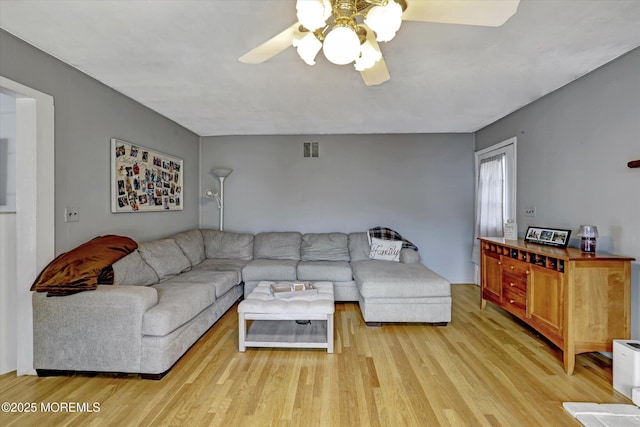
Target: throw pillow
{"points": [[387, 250]]}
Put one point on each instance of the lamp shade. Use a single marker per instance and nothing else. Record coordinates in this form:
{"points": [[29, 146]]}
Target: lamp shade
{"points": [[589, 231], [341, 46], [385, 21], [313, 14], [222, 172], [308, 47], [368, 57]]}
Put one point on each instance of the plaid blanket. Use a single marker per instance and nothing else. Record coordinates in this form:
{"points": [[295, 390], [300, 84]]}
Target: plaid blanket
{"points": [[389, 234]]}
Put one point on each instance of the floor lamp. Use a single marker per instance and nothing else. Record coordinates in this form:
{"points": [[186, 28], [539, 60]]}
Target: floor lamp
{"points": [[221, 173]]}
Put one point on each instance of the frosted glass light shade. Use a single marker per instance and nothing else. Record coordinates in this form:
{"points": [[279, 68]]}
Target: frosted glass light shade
{"points": [[341, 46], [313, 14], [385, 21], [308, 47], [590, 231], [368, 57], [222, 172]]}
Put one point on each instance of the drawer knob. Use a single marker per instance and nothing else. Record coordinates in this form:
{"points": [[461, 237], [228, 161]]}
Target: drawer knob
{"points": [[511, 267], [511, 301], [512, 284]]}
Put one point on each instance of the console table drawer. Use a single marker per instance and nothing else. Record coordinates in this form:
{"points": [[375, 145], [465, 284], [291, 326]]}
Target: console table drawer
{"points": [[514, 283], [516, 268], [514, 301]]}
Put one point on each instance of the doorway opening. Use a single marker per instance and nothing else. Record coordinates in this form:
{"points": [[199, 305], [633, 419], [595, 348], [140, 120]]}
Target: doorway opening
{"points": [[34, 216]]}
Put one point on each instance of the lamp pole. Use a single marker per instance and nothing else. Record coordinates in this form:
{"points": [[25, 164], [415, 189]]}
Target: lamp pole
{"points": [[222, 173], [221, 178]]}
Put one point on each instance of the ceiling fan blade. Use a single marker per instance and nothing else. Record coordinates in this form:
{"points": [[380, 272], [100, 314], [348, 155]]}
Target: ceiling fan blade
{"points": [[489, 13], [378, 73], [271, 47]]}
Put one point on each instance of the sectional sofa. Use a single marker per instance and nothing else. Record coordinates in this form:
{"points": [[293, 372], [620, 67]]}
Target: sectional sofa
{"points": [[167, 293]]}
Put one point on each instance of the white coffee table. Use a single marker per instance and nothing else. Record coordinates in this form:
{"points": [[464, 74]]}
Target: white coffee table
{"points": [[274, 319]]}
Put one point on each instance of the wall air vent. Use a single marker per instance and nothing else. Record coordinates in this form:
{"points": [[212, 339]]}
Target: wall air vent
{"points": [[310, 149]]}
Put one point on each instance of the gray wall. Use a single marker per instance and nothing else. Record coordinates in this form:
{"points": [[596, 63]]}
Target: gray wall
{"points": [[87, 115], [419, 185], [573, 148]]}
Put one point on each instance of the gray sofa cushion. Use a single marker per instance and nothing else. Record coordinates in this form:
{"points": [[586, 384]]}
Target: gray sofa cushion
{"points": [[192, 245], [223, 264], [325, 247], [384, 279], [133, 271], [227, 244], [177, 304], [333, 271], [219, 281], [359, 246], [165, 257], [270, 269], [277, 245]]}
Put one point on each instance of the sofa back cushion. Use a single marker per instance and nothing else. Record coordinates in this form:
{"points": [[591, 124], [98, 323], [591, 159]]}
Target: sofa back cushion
{"points": [[132, 270], [227, 244], [165, 257], [192, 245], [325, 247], [277, 245], [359, 246]]}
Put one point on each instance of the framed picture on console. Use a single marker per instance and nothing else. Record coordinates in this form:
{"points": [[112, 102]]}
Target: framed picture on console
{"points": [[548, 236], [144, 180]]}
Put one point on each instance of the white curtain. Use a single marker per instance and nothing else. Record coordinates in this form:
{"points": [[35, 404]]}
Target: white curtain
{"points": [[490, 202]]}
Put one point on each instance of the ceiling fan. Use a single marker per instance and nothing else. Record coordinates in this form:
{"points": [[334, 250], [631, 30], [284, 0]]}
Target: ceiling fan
{"points": [[348, 31]]}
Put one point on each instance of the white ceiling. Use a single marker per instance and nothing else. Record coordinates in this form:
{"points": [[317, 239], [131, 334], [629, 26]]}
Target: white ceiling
{"points": [[180, 58]]}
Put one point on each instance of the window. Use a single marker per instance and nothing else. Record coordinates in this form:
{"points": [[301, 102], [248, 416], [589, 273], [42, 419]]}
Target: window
{"points": [[495, 191]]}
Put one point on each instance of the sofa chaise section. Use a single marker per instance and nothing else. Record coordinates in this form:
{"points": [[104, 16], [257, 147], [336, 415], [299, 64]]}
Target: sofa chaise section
{"points": [[404, 291]]}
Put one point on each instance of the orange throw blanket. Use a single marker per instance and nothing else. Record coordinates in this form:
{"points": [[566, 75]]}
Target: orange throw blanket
{"points": [[84, 267]]}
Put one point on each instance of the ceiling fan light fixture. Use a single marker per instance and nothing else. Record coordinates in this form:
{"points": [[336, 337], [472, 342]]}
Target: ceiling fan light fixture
{"points": [[368, 57], [308, 47], [342, 45], [385, 21], [313, 14]]}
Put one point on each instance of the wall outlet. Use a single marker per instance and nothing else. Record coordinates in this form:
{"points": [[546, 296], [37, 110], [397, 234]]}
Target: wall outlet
{"points": [[530, 211], [71, 214]]}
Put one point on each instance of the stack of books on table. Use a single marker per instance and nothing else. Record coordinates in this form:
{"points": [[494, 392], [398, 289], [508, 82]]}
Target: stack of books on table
{"points": [[292, 289]]}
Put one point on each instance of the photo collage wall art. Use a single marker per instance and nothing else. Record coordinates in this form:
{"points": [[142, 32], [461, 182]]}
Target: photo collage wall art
{"points": [[144, 180]]}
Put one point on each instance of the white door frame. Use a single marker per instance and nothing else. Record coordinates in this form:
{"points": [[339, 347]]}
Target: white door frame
{"points": [[35, 203]]}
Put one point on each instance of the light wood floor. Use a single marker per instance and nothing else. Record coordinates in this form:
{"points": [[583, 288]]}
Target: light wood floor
{"points": [[483, 369]]}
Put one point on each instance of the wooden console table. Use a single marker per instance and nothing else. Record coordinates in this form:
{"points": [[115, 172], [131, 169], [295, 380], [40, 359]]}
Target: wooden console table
{"points": [[580, 302]]}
